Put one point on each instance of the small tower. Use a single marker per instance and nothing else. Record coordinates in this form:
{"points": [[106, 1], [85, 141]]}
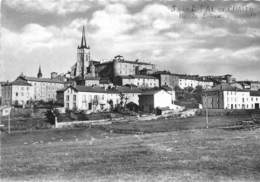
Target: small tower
{"points": [[39, 75], [83, 56]]}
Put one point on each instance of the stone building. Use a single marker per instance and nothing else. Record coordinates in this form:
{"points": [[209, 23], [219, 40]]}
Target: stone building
{"points": [[44, 89], [84, 67], [142, 81], [121, 67], [182, 81], [18, 92]]}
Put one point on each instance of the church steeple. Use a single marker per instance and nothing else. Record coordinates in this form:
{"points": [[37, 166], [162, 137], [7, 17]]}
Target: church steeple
{"points": [[83, 40], [39, 75], [83, 57]]}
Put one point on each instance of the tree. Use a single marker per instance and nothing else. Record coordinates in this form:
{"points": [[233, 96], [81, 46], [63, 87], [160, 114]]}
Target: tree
{"points": [[197, 93], [110, 102], [51, 114], [188, 89], [177, 88], [122, 98]]}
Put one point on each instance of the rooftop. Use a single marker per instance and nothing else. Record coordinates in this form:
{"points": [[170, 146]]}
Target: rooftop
{"points": [[18, 82], [255, 93], [122, 60], [35, 79], [113, 90], [138, 76], [226, 87]]}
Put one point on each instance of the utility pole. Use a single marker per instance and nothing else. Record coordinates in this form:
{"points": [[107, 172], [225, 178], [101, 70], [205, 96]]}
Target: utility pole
{"points": [[207, 113], [9, 123]]}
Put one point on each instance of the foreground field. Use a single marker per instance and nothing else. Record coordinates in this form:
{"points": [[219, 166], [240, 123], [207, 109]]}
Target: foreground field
{"points": [[95, 155]]}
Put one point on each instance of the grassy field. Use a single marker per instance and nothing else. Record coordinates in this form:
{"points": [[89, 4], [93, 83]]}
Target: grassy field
{"points": [[94, 154]]}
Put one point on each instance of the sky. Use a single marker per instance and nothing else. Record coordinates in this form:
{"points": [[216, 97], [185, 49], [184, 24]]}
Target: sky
{"points": [[192, 37]]}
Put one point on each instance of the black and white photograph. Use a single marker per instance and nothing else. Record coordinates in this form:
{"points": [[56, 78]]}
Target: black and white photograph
{"points": [[130, 91]]}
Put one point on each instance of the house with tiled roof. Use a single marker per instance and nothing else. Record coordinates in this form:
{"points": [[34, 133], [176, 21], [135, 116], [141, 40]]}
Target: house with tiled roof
{"points": [[44, 89], [151, 100], [94, 99], [18, 92], [182, 80], [142, 81], [227, 96]]}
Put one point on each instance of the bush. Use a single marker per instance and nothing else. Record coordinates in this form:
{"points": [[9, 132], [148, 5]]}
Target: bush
{"points": [[50, 116]]}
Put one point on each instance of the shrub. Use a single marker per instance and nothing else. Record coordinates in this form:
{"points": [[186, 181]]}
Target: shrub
{"points": [[50, 116]]}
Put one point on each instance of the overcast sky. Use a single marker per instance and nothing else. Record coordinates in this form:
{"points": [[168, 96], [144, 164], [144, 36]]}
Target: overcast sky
{"points": [[211, 38]]}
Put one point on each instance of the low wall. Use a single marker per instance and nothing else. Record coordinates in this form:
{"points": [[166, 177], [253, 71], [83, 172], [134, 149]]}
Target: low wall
{"points": [[82, 123], [223, 112]]}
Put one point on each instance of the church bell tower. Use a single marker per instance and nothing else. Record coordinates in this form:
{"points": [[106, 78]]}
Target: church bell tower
{"points": [[83, 57]]}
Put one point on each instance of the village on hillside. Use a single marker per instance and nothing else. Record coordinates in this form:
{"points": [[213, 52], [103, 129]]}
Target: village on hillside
{"points": [[126, 120], [92, 86]]}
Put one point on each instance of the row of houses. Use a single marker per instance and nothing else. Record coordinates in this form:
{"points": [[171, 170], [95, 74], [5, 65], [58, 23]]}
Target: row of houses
{"points": [[230, 97], [183, 81], [25, 89], [94, 99]]}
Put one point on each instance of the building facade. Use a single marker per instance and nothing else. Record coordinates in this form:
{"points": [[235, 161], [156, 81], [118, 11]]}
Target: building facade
{"points": [[44, 89], [94, 81], [152, 99], [95, 99], [182, 81], [185, 82], [18, 93], [142, 81], [250, 85], [121, 67], [231, 98], [84, 66]]}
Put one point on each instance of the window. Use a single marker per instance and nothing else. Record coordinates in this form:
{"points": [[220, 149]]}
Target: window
{"points": [[67, 105], [74, 98], [67, 98], [90, 106], [16, 94]]}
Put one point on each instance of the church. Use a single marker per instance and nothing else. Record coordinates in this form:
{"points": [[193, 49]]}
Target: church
{"points": [[89, 72], [84, 68]]}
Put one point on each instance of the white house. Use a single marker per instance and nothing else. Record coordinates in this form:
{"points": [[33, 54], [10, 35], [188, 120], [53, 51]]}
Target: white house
{"points": [[43, 88], [94, 99], [18, 92], [194, 82], [229, 97], [142, 81], [151, 99]]}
